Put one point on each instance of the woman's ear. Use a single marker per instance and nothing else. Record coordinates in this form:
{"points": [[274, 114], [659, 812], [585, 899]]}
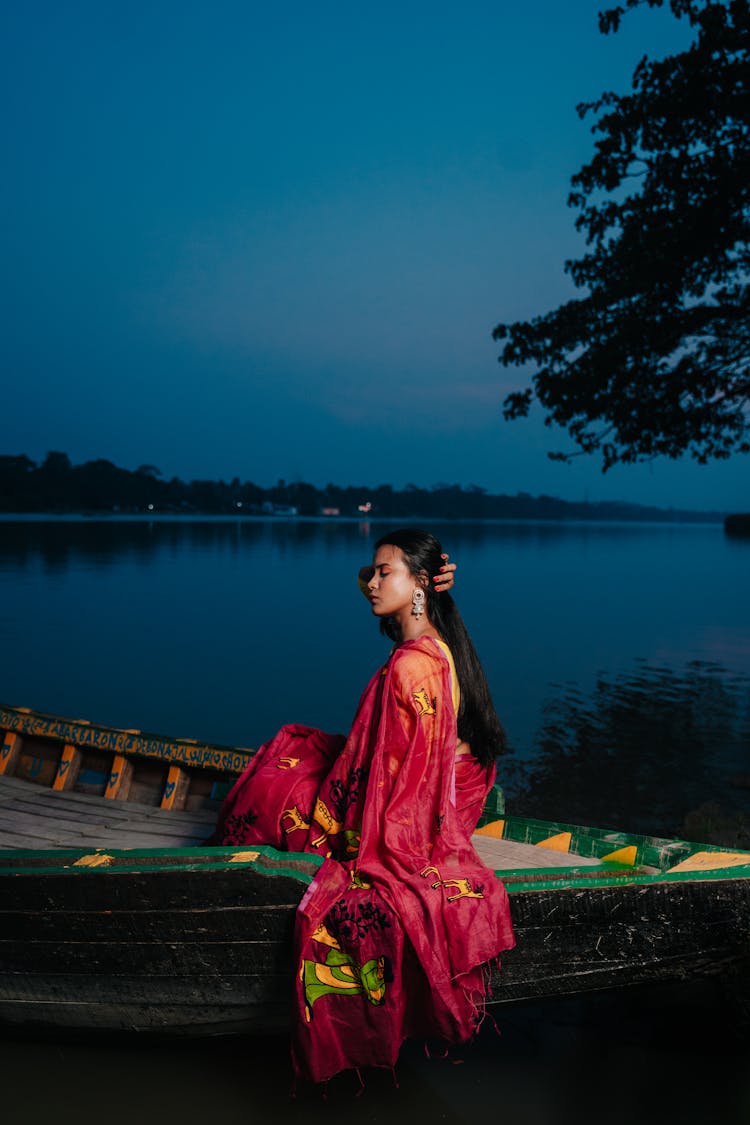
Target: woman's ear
{"points": [[423, 579]]}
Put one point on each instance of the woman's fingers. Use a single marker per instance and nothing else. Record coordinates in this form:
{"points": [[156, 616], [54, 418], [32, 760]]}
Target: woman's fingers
{"points": [[443, 580]]}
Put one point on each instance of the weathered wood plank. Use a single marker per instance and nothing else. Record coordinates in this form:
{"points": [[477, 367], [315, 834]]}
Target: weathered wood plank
{"points": [[120, 779], [10, 840], [41, 817], [238, 1002], [265, 939], [510, 854], [260, 923], [67, 769], [616, 931], [112, 814], [44, 793], [67, 820], [126, 988], [169, 958], [59, 1014], [175, 789], [51, 833], [10, 750], [45, 802], [37, 833], [513, 981]]}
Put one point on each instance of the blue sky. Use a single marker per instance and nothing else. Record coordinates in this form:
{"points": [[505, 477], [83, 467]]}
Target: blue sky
{"points": [[272, 241]]}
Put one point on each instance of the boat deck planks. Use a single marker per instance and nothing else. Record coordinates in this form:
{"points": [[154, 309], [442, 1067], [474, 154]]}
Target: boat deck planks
{"points": [[509, 855], [38, 817]]}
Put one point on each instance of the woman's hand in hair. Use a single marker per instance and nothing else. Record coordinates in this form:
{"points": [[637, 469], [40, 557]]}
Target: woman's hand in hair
{"points": [[443, 580]]}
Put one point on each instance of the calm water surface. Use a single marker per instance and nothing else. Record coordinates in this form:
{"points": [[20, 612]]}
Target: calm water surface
{"points": [[618, 655], [619, 661]]}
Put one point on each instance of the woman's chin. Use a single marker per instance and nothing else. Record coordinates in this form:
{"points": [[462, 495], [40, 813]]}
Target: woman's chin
{"points": [[379, 611]]}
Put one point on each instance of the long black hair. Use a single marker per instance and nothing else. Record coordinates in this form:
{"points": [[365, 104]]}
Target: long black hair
{"points": [[478, 724]]}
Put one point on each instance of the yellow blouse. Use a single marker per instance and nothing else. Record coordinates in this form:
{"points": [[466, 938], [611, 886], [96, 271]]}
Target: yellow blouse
{"points": [[455, 687]]}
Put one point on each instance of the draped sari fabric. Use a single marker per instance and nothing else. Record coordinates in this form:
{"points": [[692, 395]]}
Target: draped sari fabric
{"points": [[393, 933]]}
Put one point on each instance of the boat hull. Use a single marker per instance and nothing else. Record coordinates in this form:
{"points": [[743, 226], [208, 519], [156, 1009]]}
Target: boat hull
{"points": [[115, 916], [205, 949]]}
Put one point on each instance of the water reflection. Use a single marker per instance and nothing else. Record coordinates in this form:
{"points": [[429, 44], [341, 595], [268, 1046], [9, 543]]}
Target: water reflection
{"points": [[63, 542], [656, 750]]}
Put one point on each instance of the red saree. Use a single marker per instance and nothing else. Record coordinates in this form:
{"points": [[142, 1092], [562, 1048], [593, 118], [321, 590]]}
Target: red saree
{"points": [[392, 934]]}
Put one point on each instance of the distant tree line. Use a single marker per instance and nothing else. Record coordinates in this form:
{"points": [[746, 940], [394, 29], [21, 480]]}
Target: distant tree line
{"points": [[59, 487]]}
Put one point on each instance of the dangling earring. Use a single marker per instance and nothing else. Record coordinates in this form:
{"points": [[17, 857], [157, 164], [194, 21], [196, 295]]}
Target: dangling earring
{"points": [[417, 602]]}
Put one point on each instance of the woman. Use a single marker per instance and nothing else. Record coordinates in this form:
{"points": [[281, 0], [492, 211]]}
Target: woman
{"points": [[393, 933]]}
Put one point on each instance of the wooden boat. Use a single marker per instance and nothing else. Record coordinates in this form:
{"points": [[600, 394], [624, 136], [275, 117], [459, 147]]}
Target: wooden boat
{"points": [[114, 916]]}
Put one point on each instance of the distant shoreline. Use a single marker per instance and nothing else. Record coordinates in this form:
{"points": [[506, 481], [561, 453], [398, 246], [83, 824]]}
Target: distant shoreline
{"points": [[58, 489], [666, 519]]}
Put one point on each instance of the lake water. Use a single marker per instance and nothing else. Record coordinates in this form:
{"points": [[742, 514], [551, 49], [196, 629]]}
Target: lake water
{"points": [[619, 661], [618, 655]]}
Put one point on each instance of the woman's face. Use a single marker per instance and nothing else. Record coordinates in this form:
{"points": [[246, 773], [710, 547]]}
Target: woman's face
{"points": [[392, 584]]}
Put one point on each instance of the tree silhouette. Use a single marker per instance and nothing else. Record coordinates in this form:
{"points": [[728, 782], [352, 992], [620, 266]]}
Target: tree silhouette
{"points": [[655, 358], [58, 486]]}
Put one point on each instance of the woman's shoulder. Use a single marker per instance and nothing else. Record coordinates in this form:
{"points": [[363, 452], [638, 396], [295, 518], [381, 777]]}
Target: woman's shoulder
{"points": [[422, 656], [420, 677]]}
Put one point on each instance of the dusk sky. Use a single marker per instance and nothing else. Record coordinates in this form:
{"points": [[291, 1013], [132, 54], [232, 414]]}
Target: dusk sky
{"points": [[272, 241]]}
